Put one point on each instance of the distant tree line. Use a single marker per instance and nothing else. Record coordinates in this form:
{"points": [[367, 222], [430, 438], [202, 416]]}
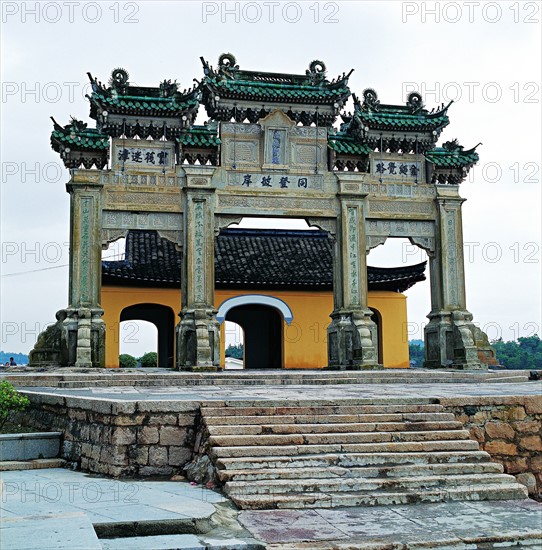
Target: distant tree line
{"points": [[235, 351], [149, 359], [523, 353]]}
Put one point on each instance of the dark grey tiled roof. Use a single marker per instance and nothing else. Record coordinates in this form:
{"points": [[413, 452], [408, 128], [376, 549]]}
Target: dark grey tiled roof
{"points": [[249, 258]]}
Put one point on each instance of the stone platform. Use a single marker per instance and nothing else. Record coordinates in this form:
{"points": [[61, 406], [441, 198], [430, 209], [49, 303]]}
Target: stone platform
{"points": [[148, 424], [81, 378]]}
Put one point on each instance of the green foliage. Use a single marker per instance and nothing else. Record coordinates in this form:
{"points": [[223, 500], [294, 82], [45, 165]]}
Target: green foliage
{"points": [[525, 353], [235, 351], [127, 361], [10, 401], [416, 353], [150, 359]]}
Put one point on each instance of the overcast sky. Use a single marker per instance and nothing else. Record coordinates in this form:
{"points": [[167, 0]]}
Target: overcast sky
{"points": [[486, 55]]}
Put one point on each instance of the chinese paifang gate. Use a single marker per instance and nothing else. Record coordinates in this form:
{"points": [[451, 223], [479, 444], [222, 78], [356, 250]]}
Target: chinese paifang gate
{"points": [[272, 147]]}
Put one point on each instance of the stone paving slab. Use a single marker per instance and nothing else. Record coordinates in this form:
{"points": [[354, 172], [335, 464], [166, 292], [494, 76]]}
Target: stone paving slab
{"points": [[63, 531], [201, 394], [175, 542], [111, 505], [452, 523]]}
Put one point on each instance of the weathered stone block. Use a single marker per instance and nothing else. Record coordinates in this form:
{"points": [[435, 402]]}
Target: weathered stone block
{"points": [[531, 443], [535, 464], [172, 435], [509, 414], [123, 436], [529, 480], [142, 456], [163, 419], [477, 434], [516, 465], [115, 455], [158, 457], [533, 404], [135, 420], [500, 430], [178, 456], [500, 448], [147, 435], [155, 471], [528, 426]]}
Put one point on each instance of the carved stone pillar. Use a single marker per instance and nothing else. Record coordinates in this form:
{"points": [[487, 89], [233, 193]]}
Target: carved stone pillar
{"points": [[352, 333], [198, 332], [451, 338], [78, 337]]}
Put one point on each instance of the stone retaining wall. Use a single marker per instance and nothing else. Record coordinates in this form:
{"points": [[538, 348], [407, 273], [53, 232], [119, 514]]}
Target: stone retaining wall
{"points": [[147, 438], [509, 429], [119, 438]]}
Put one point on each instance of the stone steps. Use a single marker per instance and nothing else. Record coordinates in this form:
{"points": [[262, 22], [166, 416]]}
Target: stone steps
{"points": [[324, 428], [379, 498], [223, 421], [336, 438], [324, 454], [359, 484], [360, 471], [300, 450], [353, 460], [314, 409]]}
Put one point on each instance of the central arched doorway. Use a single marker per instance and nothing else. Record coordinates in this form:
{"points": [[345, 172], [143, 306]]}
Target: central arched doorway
{"points": [[261, 318], [164, 320]]}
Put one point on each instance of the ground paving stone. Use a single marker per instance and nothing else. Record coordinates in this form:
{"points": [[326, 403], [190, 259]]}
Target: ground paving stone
{"points": [[415, 523], [165, 395], [64, 531]]}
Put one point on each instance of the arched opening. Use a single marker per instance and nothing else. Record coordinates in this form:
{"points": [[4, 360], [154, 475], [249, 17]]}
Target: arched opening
{"points": [[164, 320], [234, 337], [262, 327], [377, 319], [402, 254]]}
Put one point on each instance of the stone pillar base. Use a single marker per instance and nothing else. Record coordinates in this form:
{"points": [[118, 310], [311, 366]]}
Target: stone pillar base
{"points": [[351, 338], [198, 340], [76, 339], [453, 341]]}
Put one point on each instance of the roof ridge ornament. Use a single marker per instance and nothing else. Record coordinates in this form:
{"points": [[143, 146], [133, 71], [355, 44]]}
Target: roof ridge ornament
{"points": [[119, 80], [168, 88], [370, 99], [452, 146], [316, 72], [415, 102]]}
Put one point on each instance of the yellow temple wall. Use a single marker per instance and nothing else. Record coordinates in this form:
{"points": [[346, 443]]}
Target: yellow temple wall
{"points": [[305, 340]]}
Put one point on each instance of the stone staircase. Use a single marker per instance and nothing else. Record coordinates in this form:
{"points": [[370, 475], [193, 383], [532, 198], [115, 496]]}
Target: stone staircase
{"points": [[324, 455]]}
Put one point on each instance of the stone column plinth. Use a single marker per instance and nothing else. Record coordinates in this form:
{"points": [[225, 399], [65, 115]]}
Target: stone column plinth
{"points": [[198, 333]]}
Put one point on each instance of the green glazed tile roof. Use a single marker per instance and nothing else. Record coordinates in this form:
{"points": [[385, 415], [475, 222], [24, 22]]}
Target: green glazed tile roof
{"points": [[443, 158], [140, 104], [399, 118], [341, 143], [81, 139], [200, 136], [278, 91]]}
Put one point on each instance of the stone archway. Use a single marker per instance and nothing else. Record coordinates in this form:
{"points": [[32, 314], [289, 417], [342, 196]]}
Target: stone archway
{"points": [[261, 319], [164, 320]]}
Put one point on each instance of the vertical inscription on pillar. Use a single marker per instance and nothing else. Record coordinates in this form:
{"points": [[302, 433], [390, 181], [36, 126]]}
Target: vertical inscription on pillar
{"points": [[199, 253], [451, 252], [353, 255], [85, 250]]}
